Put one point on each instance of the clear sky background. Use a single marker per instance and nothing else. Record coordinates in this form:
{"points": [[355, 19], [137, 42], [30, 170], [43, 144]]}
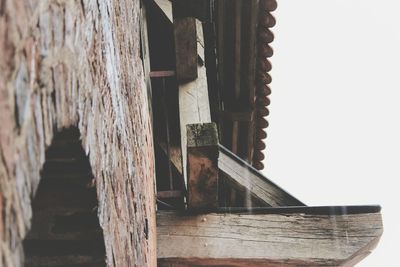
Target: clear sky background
{"points": [[334, 134]]}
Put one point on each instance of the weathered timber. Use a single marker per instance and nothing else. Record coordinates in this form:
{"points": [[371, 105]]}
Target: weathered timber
{"points": [[202, 166], [194, 104], [287, 239], [245, 178], [185, 49], [77, 63]]}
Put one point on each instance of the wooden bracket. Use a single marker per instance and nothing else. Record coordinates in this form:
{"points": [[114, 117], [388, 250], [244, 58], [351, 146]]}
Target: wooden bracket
{"points": [[202, 166]]}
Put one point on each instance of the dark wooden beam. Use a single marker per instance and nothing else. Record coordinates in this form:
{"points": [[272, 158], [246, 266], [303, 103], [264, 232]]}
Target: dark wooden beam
{"points": [[287, 239], [185, 49], [202, 166]]}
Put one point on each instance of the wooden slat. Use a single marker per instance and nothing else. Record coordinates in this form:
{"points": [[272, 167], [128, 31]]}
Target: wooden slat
{"points": [[245, 178], [194, 106], [293, 239]]}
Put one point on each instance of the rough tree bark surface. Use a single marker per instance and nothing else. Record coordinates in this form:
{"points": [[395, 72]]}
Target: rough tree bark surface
{"points": [[76, 63]]}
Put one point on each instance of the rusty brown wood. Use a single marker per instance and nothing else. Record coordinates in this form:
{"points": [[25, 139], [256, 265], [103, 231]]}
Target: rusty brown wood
{"points": [[202, 165]]}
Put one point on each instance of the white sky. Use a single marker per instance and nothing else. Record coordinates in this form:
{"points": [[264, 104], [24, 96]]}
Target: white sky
{"points": [[334, 134]]}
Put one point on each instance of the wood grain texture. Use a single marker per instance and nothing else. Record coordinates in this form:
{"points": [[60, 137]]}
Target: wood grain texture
{"points": [[265, 240], [245, 178], [185, 49], [77, 63], [194, 105]]}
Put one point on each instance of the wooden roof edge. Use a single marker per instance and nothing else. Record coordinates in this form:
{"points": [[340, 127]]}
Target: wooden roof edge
{"points": [[277, 239]]}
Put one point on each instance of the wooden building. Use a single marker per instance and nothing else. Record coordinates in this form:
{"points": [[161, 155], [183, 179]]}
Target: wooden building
{"points": [[133, 136]]}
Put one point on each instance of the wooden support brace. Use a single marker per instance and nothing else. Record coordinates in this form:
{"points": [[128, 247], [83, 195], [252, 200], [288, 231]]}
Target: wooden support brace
{"points": [[202, 166], [243, 177]]}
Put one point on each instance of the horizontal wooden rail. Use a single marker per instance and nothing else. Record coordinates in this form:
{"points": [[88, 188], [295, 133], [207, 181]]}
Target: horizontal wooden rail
{"points": [[298, 238]]}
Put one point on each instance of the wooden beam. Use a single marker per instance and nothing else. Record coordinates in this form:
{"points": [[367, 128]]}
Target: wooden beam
{"points": [[202, 166], [144, 38], [245, 178], [185, 49], [194, 106], [243, 239]]}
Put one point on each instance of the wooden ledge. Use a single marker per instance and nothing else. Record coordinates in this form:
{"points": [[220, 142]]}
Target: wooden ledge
{"points": [[306, 236]]}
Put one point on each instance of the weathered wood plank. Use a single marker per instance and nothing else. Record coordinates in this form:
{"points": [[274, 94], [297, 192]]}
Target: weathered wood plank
{"points": [[194, 104], [245, 178], [202, 166], [185, 48], [293, 239]]}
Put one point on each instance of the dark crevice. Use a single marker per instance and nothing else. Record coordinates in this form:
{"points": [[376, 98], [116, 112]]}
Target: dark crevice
{"points": [[65, 227]]}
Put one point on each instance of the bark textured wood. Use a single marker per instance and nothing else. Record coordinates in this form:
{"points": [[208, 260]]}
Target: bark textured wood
{"points": [[265, 239], [77, 63]]}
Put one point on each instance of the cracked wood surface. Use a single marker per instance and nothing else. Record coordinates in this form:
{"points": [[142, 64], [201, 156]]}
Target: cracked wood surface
{"points": [[295, 239], [76, 63]]}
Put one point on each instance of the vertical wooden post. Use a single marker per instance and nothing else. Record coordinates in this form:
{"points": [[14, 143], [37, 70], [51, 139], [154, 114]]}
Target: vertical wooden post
{"points": [[185, 49], [202, 166]]}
